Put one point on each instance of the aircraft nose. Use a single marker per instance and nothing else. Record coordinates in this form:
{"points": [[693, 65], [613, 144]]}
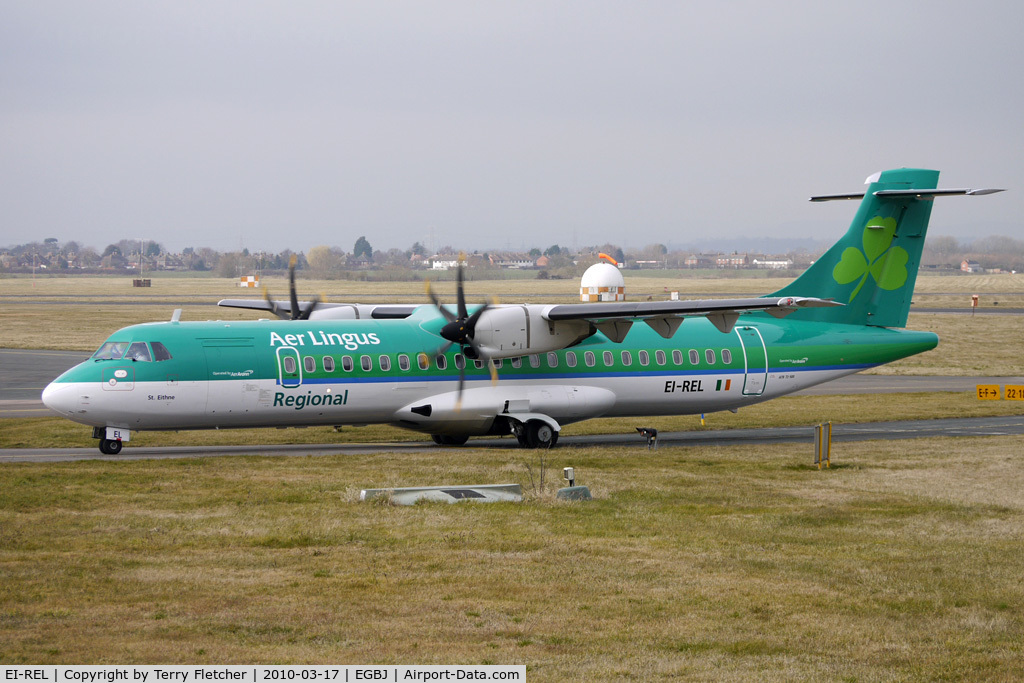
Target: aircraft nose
{"points": [[60, 397]]}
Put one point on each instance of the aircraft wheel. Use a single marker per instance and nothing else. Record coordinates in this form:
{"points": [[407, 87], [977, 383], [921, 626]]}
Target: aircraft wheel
{"points": [[540, 434], [110, 446]]}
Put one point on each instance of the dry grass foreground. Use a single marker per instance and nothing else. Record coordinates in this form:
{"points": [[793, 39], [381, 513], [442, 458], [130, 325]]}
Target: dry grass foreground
{"points": [[728, 563]]}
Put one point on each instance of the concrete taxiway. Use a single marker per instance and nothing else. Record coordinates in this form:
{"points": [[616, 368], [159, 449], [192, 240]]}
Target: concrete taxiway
{"points": [[907, 429]]}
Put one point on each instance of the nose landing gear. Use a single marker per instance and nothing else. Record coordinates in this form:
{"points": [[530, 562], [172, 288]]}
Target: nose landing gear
{"points": [[110, 446]]}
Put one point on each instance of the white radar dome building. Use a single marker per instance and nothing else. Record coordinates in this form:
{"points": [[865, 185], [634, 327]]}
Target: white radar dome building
{"points": [[603, 282]]}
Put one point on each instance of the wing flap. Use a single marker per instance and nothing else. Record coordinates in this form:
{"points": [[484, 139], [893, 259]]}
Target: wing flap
{"points": [[666, 316], [639, 310]]}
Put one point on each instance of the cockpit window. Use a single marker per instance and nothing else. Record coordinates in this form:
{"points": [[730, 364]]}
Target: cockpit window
{"points": [[111, 351], [138, 351], [160, 351]]}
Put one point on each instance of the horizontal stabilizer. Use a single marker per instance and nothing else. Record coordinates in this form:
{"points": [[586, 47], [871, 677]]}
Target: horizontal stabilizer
{"points": [[917, 194]]}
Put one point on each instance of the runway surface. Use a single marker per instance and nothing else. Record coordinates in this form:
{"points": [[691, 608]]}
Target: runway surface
{"points": [[908, 429]]}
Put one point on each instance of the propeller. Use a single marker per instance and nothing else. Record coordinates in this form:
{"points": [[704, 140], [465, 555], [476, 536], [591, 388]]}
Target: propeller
{"points": [[460, 329], [295, 313]]}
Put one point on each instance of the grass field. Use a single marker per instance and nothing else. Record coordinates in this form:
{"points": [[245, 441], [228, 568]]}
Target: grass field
{"points": [[708, 563], [901, 563]]}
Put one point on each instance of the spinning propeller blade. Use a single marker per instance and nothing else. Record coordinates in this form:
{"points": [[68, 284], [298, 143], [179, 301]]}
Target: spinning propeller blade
{"points": [[460, 329], [295, 312]]}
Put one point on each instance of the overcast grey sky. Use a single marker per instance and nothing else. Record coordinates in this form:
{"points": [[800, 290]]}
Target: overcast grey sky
{"points": [[494, 125]]}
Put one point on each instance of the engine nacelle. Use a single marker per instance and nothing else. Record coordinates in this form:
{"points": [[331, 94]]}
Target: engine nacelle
{"points": [[510, 331]]}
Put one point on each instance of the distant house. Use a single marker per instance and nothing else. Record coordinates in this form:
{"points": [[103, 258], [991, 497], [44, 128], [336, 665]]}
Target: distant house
{"points": [[700, 261], [772, 263], [732, 261], [444, 261], [971, 267], [509, 260], [167, 261]]}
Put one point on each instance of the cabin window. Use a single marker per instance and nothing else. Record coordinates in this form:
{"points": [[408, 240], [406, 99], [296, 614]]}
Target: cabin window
{"points": [[694, 357], [309, 363], [677, 356], [328, 364], [589, 359], [552, 360], [423, 361], [497, 363], [111, 351], [289, 365], [403, 361], [727, 356], [385, 363], [160, 352], [709, 356], [441, 361], [570, 359], [644, 357], [138, 351], [609, 359], [366, 363], [347, 364], [517, 362], [659, 357], [627, 358], [534, 361], [478, 364], [460, 361]]}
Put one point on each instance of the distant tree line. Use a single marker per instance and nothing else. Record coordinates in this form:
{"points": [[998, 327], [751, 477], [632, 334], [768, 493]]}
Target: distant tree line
{"points": [[365, 262]]}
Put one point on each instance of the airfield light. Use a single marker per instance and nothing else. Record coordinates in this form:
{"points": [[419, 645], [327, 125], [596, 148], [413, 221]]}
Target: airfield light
{"points": [[569, 474]]}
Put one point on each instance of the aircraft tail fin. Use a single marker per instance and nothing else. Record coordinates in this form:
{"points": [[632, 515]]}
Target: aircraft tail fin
{"points": [[873, 268]]}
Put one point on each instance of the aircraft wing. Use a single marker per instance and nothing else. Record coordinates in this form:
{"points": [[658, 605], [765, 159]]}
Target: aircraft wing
{"points": [[327, 311], [614, 318]]}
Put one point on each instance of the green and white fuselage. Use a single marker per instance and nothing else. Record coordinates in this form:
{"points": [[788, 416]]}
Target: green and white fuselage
{"points": [[556, 364], [275, 374]]}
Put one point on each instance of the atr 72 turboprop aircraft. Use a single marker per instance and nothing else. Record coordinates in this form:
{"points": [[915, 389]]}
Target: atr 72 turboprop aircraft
{"points": [[432, 368]]}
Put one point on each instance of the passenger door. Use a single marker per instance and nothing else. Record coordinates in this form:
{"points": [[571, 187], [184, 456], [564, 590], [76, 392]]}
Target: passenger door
{"points": [[755, 356], [289, 367]]}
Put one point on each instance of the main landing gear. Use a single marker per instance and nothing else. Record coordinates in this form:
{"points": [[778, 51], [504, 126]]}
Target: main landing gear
{"points": [[535, 434], [531, 434]]}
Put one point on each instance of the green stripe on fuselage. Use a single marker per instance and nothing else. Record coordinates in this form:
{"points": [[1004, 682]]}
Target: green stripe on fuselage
{"points": [[219, 351]]}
